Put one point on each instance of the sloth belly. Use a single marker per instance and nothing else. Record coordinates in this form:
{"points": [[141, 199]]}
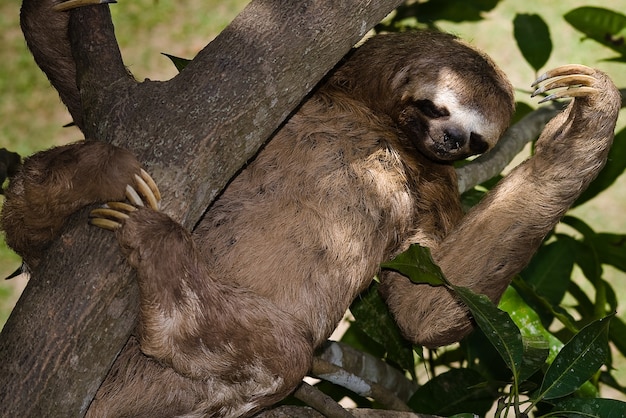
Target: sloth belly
{"points": [[308, 222]]}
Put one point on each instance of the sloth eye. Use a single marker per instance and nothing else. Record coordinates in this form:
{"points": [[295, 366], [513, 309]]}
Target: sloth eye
{"points": [[429, 109]]}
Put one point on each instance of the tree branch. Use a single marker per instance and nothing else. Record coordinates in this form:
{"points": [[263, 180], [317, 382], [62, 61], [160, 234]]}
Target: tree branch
{"points": [[225, 104], [357, 384], [289, 411], [100, 71], [192, 133], [322, 403], [375, 370]]}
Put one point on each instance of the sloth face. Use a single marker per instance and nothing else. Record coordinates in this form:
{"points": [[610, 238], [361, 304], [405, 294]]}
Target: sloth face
{"points": [[447, 123], [449, 100]]}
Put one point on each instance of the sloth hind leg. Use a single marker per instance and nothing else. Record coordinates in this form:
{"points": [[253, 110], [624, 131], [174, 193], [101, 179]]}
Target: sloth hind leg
{"points": [[234, 344]]}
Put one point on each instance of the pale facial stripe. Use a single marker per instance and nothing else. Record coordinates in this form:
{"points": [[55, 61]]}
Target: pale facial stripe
{"points": [[461, 115]]}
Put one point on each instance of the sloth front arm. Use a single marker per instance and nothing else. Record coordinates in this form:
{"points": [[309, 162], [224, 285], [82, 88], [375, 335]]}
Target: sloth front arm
{"points": [[498, 237]]}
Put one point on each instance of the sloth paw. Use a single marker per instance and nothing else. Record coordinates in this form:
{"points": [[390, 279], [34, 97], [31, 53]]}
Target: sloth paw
{"points": [[578, 81], [73, 4], [113, 214]]}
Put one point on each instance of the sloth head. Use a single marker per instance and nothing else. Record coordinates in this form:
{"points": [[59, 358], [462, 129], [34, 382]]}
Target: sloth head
{"points": [[443, 131], [454, 114], [449, 100]]}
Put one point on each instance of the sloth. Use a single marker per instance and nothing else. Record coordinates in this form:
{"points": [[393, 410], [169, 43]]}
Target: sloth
{"points": [[231, 312]]}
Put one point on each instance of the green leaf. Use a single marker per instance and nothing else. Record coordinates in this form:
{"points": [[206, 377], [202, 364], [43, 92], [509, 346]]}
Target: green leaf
{"points": [[585, 253], [602, 25], [533, 39], [417, 264], [453, 10], [615, 166], [579, 225], [588, 260], [601, 408], [617, 335], [453, 392], [483, 357], [497, 326], [373, 318], [522, 109], [578, 361], [472, 197], [542, 306], [550, 270], [179, 63], [612, 249], [539, 344], [536, 352], [584, 306]]}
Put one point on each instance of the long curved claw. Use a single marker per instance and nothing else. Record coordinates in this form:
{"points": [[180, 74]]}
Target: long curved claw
{"points": [[577, 79], [110, 216], [569, 69], [104, 223], [148, 189], [143, 193], [73, 4], [565, 81], [133, 197], [570, 93], [113, 215]]}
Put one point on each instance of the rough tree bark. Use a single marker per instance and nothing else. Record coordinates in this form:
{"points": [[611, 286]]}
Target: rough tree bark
{"points": [[192, 133]]}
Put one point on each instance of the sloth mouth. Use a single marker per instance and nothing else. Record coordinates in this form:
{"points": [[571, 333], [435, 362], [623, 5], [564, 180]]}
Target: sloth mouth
{"points": [[446, 150], [451, 147]]}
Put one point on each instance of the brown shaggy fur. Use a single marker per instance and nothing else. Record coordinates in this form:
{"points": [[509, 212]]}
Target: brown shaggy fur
{"points": [[231, 313]]}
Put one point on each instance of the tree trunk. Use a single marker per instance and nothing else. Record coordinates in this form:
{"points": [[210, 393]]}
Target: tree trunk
{"points": [[192, 133]]}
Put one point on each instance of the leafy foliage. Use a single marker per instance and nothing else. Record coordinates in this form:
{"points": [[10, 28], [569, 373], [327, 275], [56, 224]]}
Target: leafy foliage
{"points": [[417, 264], [533, 39], [374, 320], [524, 344], [602, 25], [453, 392]]}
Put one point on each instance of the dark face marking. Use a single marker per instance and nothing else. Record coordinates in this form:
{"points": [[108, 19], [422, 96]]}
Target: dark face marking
{"points": [[434, 132], [478, 145], [430, 110]]}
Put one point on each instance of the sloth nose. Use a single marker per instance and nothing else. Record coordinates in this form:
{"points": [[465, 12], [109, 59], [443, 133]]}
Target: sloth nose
{"points": [[454, 138]]}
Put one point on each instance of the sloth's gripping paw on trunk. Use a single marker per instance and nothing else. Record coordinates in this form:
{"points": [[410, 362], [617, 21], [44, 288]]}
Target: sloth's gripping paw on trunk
{"points": [[144, 193], [52, 185], [137, 222], [578, 81]]}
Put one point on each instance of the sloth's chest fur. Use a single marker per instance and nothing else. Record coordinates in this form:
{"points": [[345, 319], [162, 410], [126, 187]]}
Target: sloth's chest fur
{"points": [[308, 222]]}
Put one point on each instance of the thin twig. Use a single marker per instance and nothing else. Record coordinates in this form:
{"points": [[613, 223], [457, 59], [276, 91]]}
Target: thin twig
{"points": [[320, 401]]}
